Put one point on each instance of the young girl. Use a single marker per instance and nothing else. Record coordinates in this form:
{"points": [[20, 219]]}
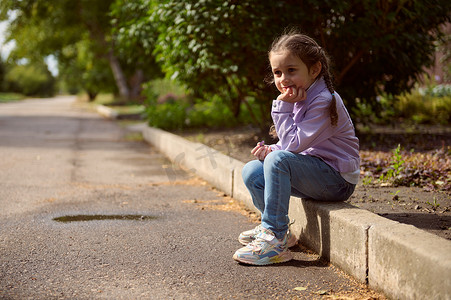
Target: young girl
{"points": [[316, 157]]}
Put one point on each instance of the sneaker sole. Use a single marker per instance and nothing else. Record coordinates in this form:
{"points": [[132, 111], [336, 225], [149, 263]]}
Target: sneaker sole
{"points": [[282, 257]]}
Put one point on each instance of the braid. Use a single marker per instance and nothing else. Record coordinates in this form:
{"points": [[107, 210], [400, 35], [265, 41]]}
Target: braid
{"points": [[333, 103]]}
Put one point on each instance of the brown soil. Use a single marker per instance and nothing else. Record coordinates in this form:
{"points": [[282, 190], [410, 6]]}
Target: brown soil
{"points": [[417, 206]]}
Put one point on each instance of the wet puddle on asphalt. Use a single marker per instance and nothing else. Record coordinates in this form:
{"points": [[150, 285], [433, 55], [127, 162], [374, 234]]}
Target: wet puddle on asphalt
{"points": [[84, 218]]}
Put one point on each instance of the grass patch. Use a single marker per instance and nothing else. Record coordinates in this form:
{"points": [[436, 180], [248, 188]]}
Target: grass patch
{"points": [[128, 109], [123, 108], [134, 137], [10, 97], [101, 99], [105, 99]]}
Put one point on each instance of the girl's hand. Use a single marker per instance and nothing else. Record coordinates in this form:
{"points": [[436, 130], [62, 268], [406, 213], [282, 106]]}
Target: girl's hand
{"points": [[293, 95], [261, 150]]}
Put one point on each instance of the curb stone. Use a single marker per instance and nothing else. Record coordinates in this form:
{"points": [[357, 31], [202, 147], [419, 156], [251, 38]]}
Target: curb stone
{"points": [[400, 260], [408, 263], [107, 112], [113, 114]]}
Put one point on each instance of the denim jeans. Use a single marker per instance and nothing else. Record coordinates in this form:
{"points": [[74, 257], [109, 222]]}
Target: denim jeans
{"points": [[271, 183]]}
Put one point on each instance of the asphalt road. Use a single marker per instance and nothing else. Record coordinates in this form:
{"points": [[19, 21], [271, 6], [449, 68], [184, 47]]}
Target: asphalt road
{"points": [[88, 212]]}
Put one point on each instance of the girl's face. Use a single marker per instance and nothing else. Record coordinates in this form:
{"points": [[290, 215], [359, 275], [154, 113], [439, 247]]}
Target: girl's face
{"points": [[290, 72]]}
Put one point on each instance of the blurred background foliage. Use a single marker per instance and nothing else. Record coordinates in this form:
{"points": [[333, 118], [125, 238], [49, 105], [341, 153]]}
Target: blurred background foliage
{"points": [[203, 63]]}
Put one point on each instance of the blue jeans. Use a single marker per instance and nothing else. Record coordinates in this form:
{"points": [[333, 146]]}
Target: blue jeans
{"points": [[271, 183]]}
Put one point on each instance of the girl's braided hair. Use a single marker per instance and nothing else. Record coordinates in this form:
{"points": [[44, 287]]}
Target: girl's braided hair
{"points": [[310, 53]]}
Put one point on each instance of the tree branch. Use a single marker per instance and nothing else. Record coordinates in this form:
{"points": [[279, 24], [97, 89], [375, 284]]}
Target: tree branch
{"points": [[353, 61]]}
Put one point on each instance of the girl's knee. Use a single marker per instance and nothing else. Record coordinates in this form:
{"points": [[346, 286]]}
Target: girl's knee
{"points": [[274, 158], [251, 169]]}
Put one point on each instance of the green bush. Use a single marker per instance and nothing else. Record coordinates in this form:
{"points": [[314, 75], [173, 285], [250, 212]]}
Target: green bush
{"points": [[10, 97], [164, 108], [211, 114], [219, 48], [440, 90], [30, 80], [161, 87], [168, 116], [179, 114], [168, 107], [430, 107]]}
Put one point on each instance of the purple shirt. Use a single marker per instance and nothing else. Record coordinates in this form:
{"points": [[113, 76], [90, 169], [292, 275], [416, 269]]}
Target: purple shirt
{"points": [[304, 127]]}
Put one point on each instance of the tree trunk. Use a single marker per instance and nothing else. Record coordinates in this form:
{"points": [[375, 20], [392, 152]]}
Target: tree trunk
{"points": [[92, 95], [136, 84], [124, 91]]}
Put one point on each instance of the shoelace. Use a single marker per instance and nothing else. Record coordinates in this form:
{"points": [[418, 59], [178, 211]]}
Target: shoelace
{"points": [[258, 229], [261, 238]]}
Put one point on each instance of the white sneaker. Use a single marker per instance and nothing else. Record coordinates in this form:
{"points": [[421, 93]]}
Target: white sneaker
{"points": [[248, 236], [265, 249]]}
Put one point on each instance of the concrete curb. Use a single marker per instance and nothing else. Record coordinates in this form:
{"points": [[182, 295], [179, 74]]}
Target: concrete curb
{"points": [[107, 112], [113, 114], [400, 260]]}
